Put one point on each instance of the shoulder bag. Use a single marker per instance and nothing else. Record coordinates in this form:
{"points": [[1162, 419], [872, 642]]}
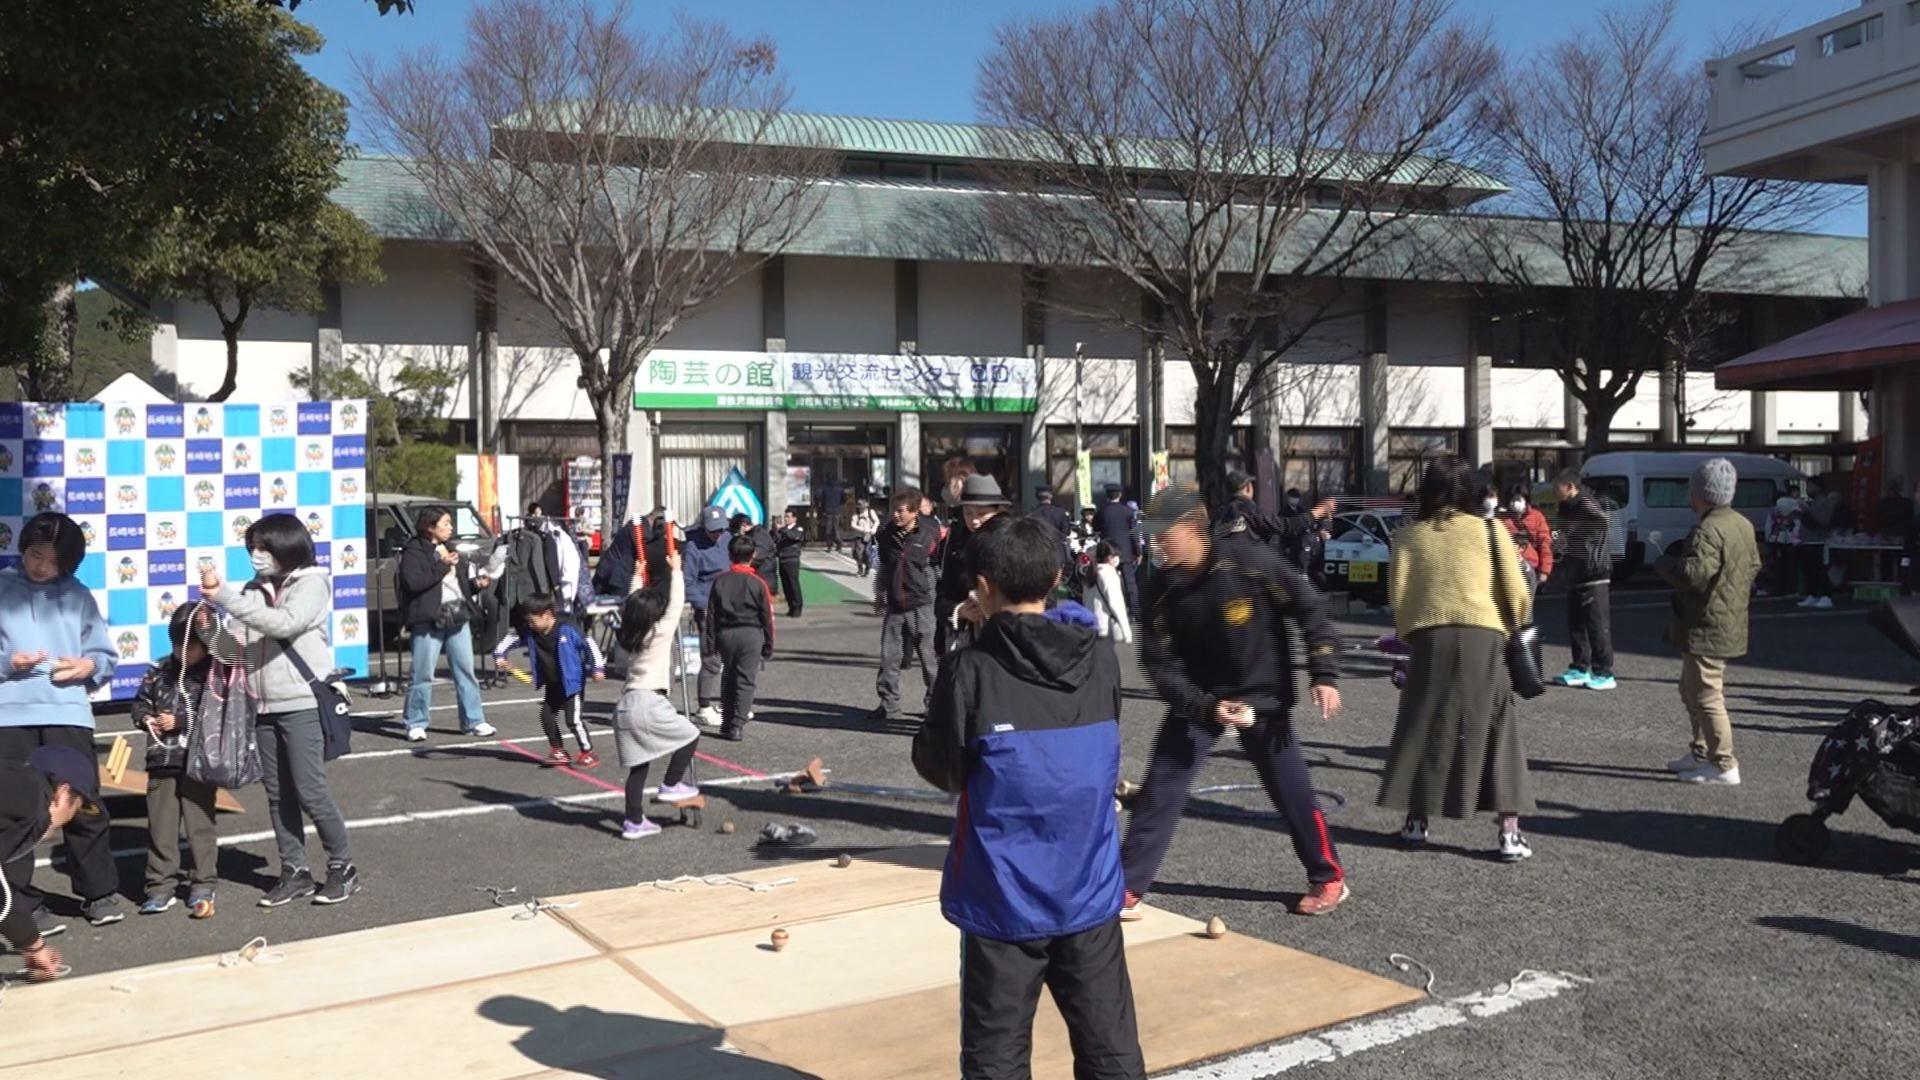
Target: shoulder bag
{"points": [[336, 720], [1522, 665]]}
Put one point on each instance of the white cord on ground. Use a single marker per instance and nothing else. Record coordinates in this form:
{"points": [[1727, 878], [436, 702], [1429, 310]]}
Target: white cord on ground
{"points": [[1521, 988], [716, 881], [253, 952], [531, 907]]}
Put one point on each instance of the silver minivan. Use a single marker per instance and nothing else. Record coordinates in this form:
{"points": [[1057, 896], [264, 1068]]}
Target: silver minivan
{"points": [[1646, 492]]}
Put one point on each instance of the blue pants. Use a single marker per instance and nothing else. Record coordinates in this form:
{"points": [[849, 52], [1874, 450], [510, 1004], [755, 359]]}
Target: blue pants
{"points": [[1180, 750], [427, 646]]}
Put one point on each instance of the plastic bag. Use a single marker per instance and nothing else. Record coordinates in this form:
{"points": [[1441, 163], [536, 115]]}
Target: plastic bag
{"points": [[224, 750]]}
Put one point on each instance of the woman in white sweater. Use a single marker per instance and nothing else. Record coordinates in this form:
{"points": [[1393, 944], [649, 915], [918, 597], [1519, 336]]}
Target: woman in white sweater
{"points": [[646, 725], [1106, 598]]}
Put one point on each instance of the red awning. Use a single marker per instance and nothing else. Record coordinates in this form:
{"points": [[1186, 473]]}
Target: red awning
{"points": [[1839, 355]]}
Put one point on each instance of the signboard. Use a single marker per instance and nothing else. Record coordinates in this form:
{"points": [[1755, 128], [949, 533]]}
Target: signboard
{"points": [[799, 485], [1162, 472], [490, 483], [622, 485], [1083, 479], [736, 496], [706, 379], [161, 491]]}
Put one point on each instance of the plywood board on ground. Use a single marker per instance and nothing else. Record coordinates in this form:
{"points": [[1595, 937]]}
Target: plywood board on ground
{"points": [[134, 782], [861, 956], [644, 915], [579, 1016], [1196, 999], [39, 1021]]}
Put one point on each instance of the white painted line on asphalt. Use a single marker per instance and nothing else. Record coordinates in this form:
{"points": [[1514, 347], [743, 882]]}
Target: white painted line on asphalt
{"points": [[414, 816], [475, 743], [103, 736], [1358, 1036]]}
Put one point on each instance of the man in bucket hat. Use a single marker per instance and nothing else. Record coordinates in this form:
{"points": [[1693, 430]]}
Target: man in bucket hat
{"points": [[980, 502]]}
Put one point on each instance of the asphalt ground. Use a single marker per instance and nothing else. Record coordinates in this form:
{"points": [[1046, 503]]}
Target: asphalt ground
{"points": [[1707, 955]]}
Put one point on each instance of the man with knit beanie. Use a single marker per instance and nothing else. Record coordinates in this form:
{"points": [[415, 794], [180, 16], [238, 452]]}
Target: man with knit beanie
{"points": [[1712, 577]]}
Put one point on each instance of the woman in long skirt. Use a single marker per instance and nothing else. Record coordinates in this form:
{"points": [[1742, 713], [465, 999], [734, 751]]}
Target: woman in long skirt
{"points": [[1457, 592]]}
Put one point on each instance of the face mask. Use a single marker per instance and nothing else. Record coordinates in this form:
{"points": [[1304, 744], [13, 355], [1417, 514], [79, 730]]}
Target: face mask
{"points": [[1293, 504], [1490, 505], [265, 565], [1518, 506]]}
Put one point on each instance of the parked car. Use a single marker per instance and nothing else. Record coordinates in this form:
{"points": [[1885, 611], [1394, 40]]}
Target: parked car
{"points": [[391, 524], [1646, 493], [1360, 550]]}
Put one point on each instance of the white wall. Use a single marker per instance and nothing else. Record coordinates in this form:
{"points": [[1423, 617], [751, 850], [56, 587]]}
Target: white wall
{"points": [[423, 313], [536, 377], [1108, 396], [1716, 410], [1528, 398], [1427, 396], [273, 345], [1808, 410], [970, 309], [1319, 395], [840, 305], [730, 321]]}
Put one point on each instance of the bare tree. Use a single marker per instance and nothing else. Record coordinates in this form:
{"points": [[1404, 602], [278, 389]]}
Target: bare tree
{"points": [[1235, 160], [619, 180], [1624, 233]]}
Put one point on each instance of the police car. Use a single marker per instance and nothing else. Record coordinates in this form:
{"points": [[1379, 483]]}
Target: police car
{"points": [[1359, 550]]}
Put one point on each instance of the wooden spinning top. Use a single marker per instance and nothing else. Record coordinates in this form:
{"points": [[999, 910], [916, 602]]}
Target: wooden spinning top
{"points": [[845, 860], [726, 828], [1216, 927], [778, 940]]}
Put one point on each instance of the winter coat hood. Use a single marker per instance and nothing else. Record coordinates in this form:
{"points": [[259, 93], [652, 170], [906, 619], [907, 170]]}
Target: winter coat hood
{"points": [[1043, 650]]}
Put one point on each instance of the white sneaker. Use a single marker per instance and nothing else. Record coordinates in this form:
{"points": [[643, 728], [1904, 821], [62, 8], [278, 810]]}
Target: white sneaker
{"points": [[1710, 773], [417, 734], [707, 717], [1685, 763], [1805, 601], [1514, 847], [483, 730], [1413, 833], [1822, 603]]}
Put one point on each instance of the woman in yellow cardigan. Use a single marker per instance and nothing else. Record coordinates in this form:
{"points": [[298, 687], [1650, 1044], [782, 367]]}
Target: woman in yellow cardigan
{"points": [[1457, 591]]}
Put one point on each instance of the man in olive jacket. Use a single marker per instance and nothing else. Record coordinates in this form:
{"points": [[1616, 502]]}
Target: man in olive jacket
{"points": [[1712, 578]]}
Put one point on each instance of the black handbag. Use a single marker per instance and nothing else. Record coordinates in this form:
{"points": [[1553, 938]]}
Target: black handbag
{"points": [[453, 616], [336, 721], [1523, 664]]}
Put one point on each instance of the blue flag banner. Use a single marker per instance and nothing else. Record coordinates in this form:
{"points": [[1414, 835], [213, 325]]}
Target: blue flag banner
{"points": [[736, 496]]}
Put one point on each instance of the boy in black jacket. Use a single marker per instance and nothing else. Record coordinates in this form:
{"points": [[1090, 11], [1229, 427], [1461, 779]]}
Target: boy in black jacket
{"points": [[1218, 648], [1587, 568], [740, 620], [903, 598], [789, 541], [1024, 726], [164, 708]]}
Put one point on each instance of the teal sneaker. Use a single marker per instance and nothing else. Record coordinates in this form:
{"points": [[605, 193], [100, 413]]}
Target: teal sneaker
{"points": [[1573, 676], [1600, 682]]}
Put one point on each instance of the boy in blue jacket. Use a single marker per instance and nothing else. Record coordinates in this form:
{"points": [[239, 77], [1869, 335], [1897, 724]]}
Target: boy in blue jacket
{"points": [[54, 652], [1024, 727], [563, 661]]}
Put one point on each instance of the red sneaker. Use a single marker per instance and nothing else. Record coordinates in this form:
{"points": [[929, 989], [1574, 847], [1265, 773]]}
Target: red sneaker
{"points": [[1130, 912], [587, 759], [1322, 898], [557, 759]]}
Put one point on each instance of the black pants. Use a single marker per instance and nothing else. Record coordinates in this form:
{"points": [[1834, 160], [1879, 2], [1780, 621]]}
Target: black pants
{"points": [[1000, 988], [740, 659], [833, 529], [677, 764], [553, 710], [1590, 627], [1130, 588], [790, 585], [710, 665], [1813, 569], [89, 856], [1180, 750]]}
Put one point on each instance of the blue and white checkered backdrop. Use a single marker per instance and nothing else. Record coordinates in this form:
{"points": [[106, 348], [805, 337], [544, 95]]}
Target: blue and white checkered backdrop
{"points": [[163, 490]]}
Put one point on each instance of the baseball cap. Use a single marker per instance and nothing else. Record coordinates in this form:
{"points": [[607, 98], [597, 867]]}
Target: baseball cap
{"points": [[713, 519], [65, 765], [1172, 506]]}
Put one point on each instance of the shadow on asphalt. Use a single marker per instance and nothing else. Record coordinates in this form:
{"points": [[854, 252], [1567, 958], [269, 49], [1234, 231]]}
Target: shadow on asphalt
{"points": [[1702, 836], [603, 819], [788, 712], [566, 1041], [756, 807], [1906, 946]]}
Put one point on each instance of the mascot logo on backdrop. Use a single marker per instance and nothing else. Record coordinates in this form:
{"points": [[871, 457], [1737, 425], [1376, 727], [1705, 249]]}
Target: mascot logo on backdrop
{"points": [[6, 537], [164, 456], [124, 419], [350, 627], [168, 605], [165, 531], [43, 419], [313, 525], [202, 420], [129, 643], [349, 558], [6, 459], [203, 492], [316, 455], [349, 416], [127, 496], [43, 499], [242, 457], [87, 533], [240, 526], [279, 491], [126, 570], [206, 563], [349, 489], [86, 459], [277, 419]]}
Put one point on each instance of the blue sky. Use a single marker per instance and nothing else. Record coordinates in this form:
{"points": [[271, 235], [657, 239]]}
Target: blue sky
{"points": [[916, 59]]}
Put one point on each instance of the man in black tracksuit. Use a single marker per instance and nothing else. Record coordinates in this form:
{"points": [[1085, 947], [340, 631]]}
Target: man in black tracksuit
{"points": [[1114, 522], [1218, 649], [1587, 568], [789, 540], [1292, 532]]}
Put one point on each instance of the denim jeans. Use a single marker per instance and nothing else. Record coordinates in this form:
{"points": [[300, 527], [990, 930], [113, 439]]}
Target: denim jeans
{"points": [[427, 645]]}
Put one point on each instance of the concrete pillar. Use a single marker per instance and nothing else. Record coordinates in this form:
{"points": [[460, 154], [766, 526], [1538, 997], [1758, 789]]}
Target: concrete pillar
{"points": [[328, 342], [773, 304], [1763, 428], [906, 454], [1375, 428], [163, 349], [1053, 381], [1476, 443], [1270, 435], [1893, 232], [1672, 424], [1853, 417], [906, 306], [483, 353], [775, 493], [640, 498]]}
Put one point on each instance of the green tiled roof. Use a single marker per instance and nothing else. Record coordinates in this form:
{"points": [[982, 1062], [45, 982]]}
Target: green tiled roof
{"points": [[948, 222]]}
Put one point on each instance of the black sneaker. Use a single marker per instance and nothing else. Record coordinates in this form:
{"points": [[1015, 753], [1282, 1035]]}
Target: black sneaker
{"points": [[105, 911], [728, 733], [883, 715], [47, 923], [342, 881], [293, 885]]}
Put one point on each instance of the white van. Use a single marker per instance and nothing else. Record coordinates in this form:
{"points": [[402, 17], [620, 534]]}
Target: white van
{"points": [[1650, 491]]}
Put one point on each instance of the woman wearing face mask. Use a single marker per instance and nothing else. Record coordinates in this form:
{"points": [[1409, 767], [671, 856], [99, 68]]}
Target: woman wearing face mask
{"points": [[286, 608], [1531, 534], [1489, 501]]}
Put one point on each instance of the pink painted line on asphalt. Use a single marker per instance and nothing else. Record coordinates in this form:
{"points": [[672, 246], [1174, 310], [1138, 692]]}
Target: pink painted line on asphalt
{"points": [[575, 773], [725, 764]]}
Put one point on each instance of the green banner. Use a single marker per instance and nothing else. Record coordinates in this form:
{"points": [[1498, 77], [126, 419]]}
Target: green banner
{"points": [[688, 379]]}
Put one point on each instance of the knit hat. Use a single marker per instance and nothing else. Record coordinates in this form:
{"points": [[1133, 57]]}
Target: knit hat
{"points": [[1713, 481]]}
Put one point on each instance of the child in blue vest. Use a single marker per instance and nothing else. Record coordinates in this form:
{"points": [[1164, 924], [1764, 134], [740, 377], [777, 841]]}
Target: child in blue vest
{"points": [[563, 661]]}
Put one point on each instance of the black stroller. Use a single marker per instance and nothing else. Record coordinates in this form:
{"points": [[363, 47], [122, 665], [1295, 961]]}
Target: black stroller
{"points": [[1874, 753]]}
